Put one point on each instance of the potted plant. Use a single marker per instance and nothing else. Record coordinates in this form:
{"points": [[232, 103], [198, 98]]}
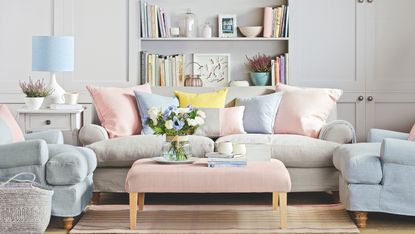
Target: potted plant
{"points": [[35, 93], [176, 124], [260, 67]]}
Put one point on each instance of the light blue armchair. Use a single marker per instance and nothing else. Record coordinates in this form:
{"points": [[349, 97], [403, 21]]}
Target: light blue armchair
{"points": [[377, 176], [66, 169]]}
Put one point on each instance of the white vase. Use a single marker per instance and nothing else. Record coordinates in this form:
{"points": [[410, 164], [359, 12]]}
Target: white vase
{"points": [[33, 103]]}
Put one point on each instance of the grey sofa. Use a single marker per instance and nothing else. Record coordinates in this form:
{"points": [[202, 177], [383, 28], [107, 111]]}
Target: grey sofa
{"points": [[308, 160], [66, 169], [377, 176]]}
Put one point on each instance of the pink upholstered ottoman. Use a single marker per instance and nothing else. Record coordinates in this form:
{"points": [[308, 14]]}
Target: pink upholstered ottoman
{"points": [[147, 176]]}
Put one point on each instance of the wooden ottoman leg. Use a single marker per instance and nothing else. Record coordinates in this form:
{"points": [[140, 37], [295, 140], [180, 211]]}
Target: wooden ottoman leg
{"points": [[68, 223], [360, 217], [133, 211], [274, 201], [283, 210], [141, 201], [96, 196]]}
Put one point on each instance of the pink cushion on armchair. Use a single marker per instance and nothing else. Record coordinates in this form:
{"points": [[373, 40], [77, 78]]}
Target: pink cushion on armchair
{"points": [[412, 134], [304, 111], [11, 123], [117, 109]]}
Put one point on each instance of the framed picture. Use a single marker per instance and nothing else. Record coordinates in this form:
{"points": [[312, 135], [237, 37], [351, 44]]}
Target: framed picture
{"points": [[214, 69], [227, 26]]}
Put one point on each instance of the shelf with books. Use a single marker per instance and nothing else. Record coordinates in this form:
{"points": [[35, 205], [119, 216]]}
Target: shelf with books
{"points": [[216, 39]]}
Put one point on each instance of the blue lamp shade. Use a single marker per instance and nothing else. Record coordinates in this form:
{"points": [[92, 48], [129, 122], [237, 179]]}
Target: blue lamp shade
{"points": [[52, 53]]}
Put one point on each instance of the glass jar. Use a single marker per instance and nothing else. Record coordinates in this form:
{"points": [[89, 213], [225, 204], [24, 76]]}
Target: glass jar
{"points": [[193, 81], [176, 148], [188, 25]]}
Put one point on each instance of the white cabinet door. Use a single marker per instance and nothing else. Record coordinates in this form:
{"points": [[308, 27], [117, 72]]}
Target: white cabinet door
{"points": [[351, 107], [323, 44], [390, 46]]}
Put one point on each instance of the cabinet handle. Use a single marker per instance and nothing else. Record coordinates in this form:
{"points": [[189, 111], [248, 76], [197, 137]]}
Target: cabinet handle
{"points": [[370, 1], [370, 98], [48, 122], [360, 1], [360, 98]]}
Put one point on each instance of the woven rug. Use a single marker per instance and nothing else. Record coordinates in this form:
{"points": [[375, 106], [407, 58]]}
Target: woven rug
{"points": [[216, 219]]}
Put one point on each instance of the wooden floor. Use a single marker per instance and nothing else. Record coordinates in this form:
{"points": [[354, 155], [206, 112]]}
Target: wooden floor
{"points": [[377, 223]]}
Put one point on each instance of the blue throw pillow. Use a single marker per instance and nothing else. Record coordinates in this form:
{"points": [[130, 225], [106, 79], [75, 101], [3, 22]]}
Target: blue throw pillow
{"points": [[260, 111], [147, 100]]}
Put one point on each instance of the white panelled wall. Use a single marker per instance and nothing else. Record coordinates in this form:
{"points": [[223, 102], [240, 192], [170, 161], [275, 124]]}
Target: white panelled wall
{"points": [[365, 48]]}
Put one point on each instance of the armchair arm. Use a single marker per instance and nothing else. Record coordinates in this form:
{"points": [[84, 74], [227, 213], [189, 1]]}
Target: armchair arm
{"points": [[398, 152], [92, 133], [377, 135], [50, 136], [339, 131], [25, 153]]}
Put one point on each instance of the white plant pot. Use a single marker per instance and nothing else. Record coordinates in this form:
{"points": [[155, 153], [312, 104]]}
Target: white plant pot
{"points": [[33, 103]]}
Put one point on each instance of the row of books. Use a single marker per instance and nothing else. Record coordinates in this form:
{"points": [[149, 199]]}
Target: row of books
{"points": [[279, 70], [276, 21], [218, 160], [162, 70], [155, 22]]}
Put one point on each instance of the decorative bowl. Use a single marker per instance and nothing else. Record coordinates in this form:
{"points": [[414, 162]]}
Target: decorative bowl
{"points": [[250, 31]]}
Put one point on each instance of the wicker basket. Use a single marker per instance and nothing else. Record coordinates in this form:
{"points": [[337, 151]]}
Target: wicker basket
{"points": [[25, 206]]}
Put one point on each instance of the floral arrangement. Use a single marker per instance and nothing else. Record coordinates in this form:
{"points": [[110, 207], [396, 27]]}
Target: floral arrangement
{"points": [[175, 121], [35, 89], [259, 63]]}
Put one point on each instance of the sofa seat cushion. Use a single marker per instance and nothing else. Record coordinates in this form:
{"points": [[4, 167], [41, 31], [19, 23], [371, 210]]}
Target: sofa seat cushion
{"points": [[69, 165], [124, 151], [359, 163], [292, 150]]}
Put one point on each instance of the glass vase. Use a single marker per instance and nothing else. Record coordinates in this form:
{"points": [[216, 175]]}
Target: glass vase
{"points": [[176, 148], [188, 25]]}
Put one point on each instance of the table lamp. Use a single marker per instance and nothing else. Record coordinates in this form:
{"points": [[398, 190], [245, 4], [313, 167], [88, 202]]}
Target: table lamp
{"points": [[53, 54]]}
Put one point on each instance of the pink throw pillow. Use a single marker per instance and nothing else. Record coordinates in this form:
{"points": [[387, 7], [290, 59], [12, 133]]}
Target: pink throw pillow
{"points": [[412, 134], [11, 123], [117, 109], [222, 122], [304, 111]]}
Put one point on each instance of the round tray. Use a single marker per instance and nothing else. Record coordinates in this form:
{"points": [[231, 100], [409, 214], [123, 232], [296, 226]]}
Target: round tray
{"points": [[165, 161]]}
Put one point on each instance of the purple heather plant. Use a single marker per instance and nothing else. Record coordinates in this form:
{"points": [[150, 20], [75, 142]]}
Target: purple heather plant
{"points": [[259, 63], [35, 88]]}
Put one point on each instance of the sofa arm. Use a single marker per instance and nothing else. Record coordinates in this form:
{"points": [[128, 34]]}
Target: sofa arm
{"points": [[398, 152], [92, 133], [339, 131], [50, 136], [377, 135], [26, 153]]}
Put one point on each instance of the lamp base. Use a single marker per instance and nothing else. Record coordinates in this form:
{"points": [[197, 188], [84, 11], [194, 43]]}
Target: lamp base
{"points": [[57, 95]]}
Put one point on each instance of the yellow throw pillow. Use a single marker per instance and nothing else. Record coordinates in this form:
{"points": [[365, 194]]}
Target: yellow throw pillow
{"points": [[203, 100]]}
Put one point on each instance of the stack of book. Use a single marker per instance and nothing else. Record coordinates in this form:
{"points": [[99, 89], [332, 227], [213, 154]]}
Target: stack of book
{"points": [[220, 160], [276, 21], [155, 22], [162, 70], [279, 70]]}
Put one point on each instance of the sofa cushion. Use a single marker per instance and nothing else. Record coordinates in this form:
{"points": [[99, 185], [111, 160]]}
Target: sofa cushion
{"points": [[10, 131], [124, 151], [359, 163], [203, 100], [292, 150], [222, 122], [69, 165]]}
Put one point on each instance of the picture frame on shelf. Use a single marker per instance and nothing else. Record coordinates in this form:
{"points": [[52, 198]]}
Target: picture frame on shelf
{"points": [[227, 25], [214, 69]]}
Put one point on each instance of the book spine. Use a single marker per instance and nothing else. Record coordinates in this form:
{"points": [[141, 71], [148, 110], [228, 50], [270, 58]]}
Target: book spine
{"points": [[287, 68], [273, 72], [149, 21], [162, 73], [268, 16], [142, 67], [142, 17], [278, 21], [167, 23], [287, 22]]}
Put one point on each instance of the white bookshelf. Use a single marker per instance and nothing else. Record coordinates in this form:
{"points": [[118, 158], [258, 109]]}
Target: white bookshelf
{"points": [[249, 13]]}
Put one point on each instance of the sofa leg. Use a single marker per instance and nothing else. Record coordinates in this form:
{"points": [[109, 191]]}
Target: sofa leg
{"points": [[68, 223], [360, 218], [96, 196], [335, 196]]}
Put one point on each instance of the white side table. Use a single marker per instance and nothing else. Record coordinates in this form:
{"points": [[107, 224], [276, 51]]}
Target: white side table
{"points": [[68, 121]]}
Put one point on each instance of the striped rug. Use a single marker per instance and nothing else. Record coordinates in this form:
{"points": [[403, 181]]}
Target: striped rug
{"points": [[216, 219]]}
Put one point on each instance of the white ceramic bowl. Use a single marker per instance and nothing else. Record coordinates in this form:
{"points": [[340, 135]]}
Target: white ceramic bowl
{"points": [[250, 31]]}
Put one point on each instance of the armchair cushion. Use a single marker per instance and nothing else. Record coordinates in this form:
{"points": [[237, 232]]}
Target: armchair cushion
{"points": [[339, 131], [398, 151], [10, 131], [25, 153], [50, 136], [377, 135], [69, 165], [359, 163]]}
